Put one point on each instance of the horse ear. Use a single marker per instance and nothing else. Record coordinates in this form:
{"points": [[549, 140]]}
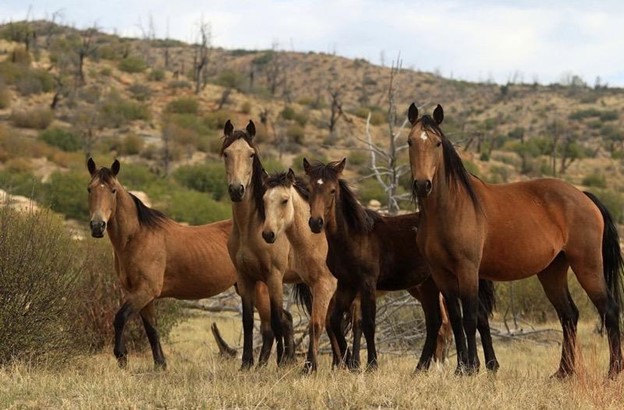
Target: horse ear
{"points": [[251, 129], [438, 114], [291, 176], [412, 113], [340, 167], [115, 167], [306, 166], [91, 166], [228, 128], [265, 176]]}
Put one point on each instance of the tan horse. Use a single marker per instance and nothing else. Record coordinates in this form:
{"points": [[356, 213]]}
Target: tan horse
{"points": [[470, 229], [155, 257], [255, 260], [287, 213]]}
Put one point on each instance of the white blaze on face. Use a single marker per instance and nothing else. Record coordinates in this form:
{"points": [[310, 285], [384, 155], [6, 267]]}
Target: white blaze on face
{"points": [[423, 136], [320, 181]]}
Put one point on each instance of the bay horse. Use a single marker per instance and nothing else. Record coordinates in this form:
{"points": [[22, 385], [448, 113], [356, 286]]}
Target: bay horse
{"points": [[370, 252], [255, 260], [470, 229], [156, 257], [287, 213]]}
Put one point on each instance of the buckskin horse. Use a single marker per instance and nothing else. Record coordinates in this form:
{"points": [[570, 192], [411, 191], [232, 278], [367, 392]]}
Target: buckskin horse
{"points": [[470, 229], [156, 257]]}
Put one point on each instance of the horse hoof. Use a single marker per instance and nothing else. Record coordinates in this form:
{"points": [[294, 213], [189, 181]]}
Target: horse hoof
{"points": [[371, 367], [561, 374], [308, 369], [492, 366], [122, 362], [162, 366], [247, 366]]}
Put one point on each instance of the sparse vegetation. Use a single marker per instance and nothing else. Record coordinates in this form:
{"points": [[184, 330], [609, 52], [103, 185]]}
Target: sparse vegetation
{"points": [[36, 118], [61, 138]]}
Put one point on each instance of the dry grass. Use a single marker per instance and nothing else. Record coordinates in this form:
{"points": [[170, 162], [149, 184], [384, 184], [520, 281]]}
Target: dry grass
{"points": [[198, 378]]}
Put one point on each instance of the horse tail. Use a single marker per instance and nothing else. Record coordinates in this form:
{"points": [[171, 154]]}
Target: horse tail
{"points": [[303, 296], [612, 262], [224, 349], [487, 296]]}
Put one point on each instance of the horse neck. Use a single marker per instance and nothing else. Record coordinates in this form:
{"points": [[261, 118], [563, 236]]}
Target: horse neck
{"points": [[298, 227], [124, 221], [340, 231], [244, 213]]}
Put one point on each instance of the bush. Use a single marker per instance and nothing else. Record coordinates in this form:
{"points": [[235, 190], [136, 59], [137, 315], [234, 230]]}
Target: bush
{"points": [[178, 84], [5, 96], [62, 139], [295, 133], [231, 79], [34, 82], [184, 105], [215, 120], [595, 180], [117, 111], [39, 273], [66, 193], [140, 92], [35, 118], [196, 208], [132, 144], [156, 75], [209, 178], [132, 64]]}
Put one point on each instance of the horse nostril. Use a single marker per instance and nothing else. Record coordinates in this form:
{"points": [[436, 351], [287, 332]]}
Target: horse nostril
{"points": [[316, 224], [269, 236], [428, 186]]}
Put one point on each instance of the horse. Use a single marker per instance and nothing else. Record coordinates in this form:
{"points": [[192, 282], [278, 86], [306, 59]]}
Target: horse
{"points": [[470, 229], [156, 257], [256, 260], [370, 252], [286, 213]]}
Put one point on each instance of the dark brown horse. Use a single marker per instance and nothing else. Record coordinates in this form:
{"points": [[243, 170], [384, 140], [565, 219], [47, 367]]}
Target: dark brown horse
{"points": [[155, 257], [470, 229], [367, 252]]}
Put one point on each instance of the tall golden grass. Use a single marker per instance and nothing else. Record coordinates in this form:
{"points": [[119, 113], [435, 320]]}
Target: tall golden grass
{"points": [[198, 378]]}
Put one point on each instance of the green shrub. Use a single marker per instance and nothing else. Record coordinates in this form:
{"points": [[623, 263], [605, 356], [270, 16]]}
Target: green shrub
{"points": [[295, 133], [245, 107], [369, 189], [595, 180], [156, 75], [66, 193], [178, 84], [132, 64], [34, 81], [183, 105], [117, 111], [231, 79], [35, 118], [5, 96], [62, 139], [21, 56], [196, 208], [140, 92], [39, 274], [131, 144], [215, 120], [19, 182], [209, 178]]}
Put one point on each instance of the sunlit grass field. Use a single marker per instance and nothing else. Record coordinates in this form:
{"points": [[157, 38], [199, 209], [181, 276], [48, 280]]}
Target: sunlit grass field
{"points": [[198, 378]]}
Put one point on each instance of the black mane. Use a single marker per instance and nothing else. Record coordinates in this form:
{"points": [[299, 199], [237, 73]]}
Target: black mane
{"points": [[453, 164], [281, 179], [358, 218], [257, 188]]}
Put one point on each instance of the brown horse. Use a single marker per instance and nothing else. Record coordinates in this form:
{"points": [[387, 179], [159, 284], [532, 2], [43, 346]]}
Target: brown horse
{"points": [[155, 257], [470, 229], [367, 252], [256, 260], [287, 212]]}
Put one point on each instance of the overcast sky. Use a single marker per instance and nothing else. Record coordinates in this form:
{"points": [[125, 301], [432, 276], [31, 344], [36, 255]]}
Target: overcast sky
{"points": [[471, 40]]}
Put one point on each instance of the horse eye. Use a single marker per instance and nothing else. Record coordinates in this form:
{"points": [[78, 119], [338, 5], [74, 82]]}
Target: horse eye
{"points": [[114, 190], [225, 155], [409, 142], [252, 155], [333, 191], [284, 201], [438, 143], [89, 189]]}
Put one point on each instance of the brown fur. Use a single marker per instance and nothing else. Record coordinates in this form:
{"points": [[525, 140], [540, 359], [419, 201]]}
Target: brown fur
{"points": [[470, 230], [156, 257]]}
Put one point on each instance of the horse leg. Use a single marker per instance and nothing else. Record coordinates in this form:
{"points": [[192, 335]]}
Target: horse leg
{"points": [[555, 283], [333, 341], [445, 334], [276, 298], [428, 293], [353, 362], [454, 312], [469, 291], [343, 299], [369, 311], [264, 311], [134, 303], [288, 330], [246, 288], [609, 311], [486, 302], [148, 318], [322, 292]]}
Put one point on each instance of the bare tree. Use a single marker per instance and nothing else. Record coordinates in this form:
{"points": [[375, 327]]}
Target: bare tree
{"points": [[384, 165], [201, 54], [86, 48], [274, 69]]}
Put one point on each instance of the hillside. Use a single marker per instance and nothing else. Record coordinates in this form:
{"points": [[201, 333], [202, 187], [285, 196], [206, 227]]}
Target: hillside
{"points": [[65, 92]]}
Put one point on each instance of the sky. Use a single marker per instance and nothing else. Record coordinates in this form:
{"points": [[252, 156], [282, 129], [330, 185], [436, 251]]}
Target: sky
{"points": [[547, 41]]}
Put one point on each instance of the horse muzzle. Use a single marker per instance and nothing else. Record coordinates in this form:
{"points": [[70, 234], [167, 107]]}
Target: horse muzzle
{"points": [[268, 236], [422, 187], [236, 192], [97, 228], [316, 224]]}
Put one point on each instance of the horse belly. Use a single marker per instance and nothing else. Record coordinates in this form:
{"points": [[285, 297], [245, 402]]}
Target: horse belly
{"points": [[514, 262]]}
